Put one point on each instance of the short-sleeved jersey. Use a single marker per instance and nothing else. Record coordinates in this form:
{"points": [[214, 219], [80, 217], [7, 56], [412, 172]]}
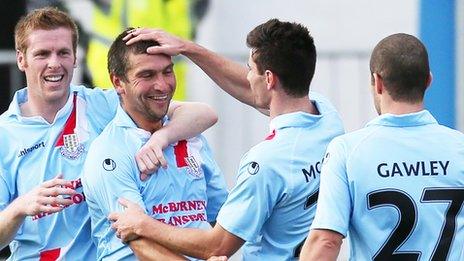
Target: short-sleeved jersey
{"points": [[189, 193], [34, 151], [273, 203], [397, 188]]}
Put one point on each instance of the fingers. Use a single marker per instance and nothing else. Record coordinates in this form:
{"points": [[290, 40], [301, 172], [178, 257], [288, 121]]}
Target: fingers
{"points": [[57, 181], [114, 216], [124, 202]]}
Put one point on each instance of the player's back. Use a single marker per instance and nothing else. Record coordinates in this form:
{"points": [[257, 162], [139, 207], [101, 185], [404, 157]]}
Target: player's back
{"points": [[406, 182]]}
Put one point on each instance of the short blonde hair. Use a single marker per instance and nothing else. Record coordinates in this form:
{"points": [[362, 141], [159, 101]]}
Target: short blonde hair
{"points": [[48, 18]]}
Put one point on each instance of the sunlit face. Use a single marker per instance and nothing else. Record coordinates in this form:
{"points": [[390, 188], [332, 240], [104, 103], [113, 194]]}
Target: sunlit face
{"points": [[150, 87], [258, 84], [48, 64]]}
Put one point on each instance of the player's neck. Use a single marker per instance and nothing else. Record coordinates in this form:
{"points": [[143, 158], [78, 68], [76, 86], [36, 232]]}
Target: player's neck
{"points": [[399, 108], [37, 107], [283, 104], [144, 123]]}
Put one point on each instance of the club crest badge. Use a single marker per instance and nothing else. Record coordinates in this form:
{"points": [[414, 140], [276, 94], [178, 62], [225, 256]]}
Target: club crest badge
{"points": [[71, 148], [193, 168]]}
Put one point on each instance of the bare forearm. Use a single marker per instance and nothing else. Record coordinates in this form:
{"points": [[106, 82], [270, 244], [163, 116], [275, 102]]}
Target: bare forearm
{"points": [[10, 221], [321, 247], [190, 242], [188, 120], [229, 75], [145, 249]]}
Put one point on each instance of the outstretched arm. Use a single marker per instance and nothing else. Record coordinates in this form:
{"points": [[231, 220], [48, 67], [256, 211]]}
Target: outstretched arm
{"points": [[321, 244], [229, 75], [42, 199], [199, 243], [188, 119]]}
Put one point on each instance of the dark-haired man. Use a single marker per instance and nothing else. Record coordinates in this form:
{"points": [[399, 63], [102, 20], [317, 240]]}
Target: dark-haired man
{"points": [[396, 186], [189, 193], [273, 202], [45, 136]]}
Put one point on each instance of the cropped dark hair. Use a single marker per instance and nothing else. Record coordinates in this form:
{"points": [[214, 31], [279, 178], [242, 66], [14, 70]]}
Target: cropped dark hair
{"points": [[118, 55], [401, 60], [287, 49]]}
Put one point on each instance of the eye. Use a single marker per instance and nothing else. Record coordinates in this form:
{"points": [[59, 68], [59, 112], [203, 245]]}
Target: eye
{"points": [[65, 52], [168, 71]]}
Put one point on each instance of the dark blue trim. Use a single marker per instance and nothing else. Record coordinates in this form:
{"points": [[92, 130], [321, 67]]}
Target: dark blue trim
{"points": [[437, 31]]}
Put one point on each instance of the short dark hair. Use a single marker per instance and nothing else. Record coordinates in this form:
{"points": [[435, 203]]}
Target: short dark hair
{"points": [[287, 49], [118, 55], [401, 60]]}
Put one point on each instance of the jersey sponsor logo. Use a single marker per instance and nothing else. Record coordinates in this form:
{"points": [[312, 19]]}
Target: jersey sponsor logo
{"points": [[253, 168], [415, 169], [195, 207], [25, 151], [109, 165], [71, 148], [76, 198]]}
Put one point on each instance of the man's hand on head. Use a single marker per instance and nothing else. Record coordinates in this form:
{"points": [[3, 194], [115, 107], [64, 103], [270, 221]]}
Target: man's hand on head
{"points": [[169, 44]]}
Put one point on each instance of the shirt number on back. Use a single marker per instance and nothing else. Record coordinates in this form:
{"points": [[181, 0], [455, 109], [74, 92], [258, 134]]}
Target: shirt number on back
{"points": [[408, 217]]}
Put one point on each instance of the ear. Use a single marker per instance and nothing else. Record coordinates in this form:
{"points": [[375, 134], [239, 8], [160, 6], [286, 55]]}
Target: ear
{"points": [[271, 79], [117, 83], [378, 84], [20, 60], [429, 80]]}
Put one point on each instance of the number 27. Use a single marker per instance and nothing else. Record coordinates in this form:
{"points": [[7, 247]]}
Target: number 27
{"points": [[408, 218]]}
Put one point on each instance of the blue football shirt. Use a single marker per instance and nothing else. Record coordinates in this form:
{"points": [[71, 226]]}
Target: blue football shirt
{"points": [[273, 203], [396, 188], [189, 193], [34, 151]]}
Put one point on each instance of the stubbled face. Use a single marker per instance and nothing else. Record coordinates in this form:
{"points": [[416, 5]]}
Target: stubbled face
{"points": [[150, 87], [258, 84], [48, 64]]}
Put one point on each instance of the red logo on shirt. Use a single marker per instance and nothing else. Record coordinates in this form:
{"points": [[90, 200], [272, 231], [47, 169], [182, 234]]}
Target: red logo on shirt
{"points": [[50, 255]]}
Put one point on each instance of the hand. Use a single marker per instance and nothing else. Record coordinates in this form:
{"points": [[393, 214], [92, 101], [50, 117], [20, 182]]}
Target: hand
{"points": [[126, 223], [169, 44], [46, 197], [150, 157]]}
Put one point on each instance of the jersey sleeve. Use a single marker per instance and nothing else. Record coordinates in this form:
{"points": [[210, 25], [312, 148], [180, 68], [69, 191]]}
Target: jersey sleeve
{"points": [[6, 190], [216, 189], [250, 203], [334, 204], [102, 106], [109, 175]]}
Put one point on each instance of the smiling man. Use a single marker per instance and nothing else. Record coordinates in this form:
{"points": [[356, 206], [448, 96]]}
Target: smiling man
{"points": [[45, 136], [189, 193]]}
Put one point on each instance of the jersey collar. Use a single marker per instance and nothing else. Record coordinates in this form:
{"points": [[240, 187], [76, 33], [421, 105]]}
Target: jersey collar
{"points": [[423, 117], [122, 119], [20, 97]]}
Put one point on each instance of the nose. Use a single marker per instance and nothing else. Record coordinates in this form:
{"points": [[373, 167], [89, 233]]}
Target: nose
{"points": [[164, 83], [54, 62]]}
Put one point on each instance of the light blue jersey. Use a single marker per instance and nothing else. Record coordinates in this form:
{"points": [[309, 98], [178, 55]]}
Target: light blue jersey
{"points": [[397, 188], [189, 193], [34, 151], [273, 203]]}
